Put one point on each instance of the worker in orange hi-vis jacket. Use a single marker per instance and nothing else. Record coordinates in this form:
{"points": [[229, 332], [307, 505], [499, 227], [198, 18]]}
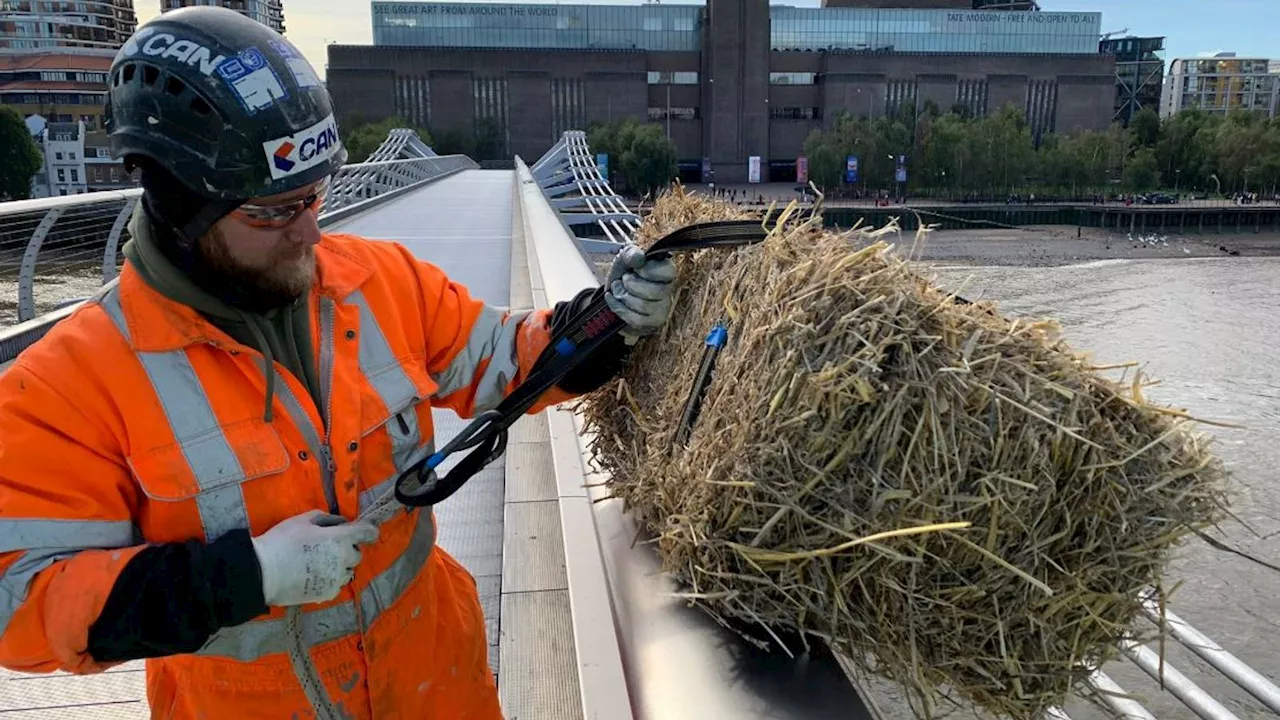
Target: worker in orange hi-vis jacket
{"points": [[185, 460]]}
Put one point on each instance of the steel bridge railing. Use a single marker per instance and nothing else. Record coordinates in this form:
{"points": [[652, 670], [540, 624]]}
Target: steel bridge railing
{"points": [[55, 252], [572, 183]]}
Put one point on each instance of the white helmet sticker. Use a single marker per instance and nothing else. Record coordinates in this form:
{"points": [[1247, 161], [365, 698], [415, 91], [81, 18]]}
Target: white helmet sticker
{"points": [[288, 156]]}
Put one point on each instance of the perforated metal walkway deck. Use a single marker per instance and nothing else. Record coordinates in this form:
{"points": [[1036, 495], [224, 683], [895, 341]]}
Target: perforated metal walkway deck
{"points": [[463, 224]]}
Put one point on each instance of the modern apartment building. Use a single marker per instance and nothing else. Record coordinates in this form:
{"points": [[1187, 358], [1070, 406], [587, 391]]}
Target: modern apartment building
{"points": [[267, 12], [46, 24], [66, 85], [1139, 74], [1221, 84]]}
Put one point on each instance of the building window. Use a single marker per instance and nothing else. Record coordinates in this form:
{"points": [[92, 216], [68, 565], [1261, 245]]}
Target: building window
{"points": [[115, 174], [795, 113], [792, 78], [62, 175], [58, 155], [62, 191], [75, 175], [71, 156], [97, 174], [662, 77], [675, 113]]}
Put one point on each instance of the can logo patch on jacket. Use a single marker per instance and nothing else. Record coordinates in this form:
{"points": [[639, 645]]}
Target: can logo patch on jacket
{"points": [[303, 150]]}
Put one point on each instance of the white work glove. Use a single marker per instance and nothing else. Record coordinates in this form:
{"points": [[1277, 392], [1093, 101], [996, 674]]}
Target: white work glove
{"points": [[640, 292], [309, 557]]}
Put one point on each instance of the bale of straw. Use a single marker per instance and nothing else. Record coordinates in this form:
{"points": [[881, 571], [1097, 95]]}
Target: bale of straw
{"points": [[955, 499]]}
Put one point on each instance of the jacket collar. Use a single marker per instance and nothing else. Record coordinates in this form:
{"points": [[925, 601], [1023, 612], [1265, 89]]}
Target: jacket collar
{"points": [[158, 324]]}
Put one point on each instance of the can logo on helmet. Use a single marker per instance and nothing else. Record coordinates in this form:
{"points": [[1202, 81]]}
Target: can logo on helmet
{"points": [[303, 150], [152, 43], [281, 157]]}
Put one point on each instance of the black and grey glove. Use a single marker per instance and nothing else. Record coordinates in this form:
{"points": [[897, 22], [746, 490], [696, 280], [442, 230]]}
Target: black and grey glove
{"points": [[640, 292]]}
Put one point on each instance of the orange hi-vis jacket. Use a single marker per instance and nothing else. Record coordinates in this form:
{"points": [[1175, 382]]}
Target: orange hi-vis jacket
{"points": [[136, 421]]}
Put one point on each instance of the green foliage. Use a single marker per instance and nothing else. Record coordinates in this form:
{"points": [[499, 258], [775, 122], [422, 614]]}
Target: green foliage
{"points": [[452, 142], [1145, 127], [955, 155], [1143, 172], [19, 156], [362, 137], [640, 154], [490, 141]]}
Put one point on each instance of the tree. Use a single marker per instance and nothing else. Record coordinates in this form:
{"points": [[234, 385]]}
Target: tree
{"points": [[19, 156], [1143, 171], [643, 156], [1145, 127], [453, 142], [826, 164], [650, 162], [490, 141], [361, 137]]}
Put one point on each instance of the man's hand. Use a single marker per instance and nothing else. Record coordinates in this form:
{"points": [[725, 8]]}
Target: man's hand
{"points": [[309, 557], [640, 292]]}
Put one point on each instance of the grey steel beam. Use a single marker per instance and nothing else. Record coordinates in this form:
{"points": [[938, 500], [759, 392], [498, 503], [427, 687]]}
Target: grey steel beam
{"points": [[109, 254], [27, 270], [1214, 654]]}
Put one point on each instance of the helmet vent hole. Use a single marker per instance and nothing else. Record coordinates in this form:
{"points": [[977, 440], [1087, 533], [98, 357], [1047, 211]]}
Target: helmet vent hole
{"points": [[200, 106], [174, 86], [150, 74], [129, 72]]}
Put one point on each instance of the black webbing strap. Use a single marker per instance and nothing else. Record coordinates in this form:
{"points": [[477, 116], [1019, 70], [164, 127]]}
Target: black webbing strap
{"points": [[587, 330]]}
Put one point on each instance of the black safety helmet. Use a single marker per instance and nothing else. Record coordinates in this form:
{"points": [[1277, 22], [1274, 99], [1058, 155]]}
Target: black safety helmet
{"points": [[223, 103]]}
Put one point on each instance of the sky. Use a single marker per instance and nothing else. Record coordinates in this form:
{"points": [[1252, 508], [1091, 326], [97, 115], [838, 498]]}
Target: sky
{"points": [[1192, 27]]}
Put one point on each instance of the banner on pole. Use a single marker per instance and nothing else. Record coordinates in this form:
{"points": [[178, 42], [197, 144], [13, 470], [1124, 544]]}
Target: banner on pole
{"points": [[602, 164], [802, 169], [851, 169], [753, 173]]}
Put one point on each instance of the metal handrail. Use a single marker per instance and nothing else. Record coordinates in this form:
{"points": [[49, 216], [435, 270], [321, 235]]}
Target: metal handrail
{"points": [[570, 179], [76, 238]]}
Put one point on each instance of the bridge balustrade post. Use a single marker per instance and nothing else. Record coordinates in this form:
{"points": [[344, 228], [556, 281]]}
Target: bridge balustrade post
{"points": [[27, 271], [113, 240]]}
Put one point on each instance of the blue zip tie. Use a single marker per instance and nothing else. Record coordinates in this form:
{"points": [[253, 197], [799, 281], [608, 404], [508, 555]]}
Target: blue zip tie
{"points": [[718, 336], [434, 461], [565, 347]]}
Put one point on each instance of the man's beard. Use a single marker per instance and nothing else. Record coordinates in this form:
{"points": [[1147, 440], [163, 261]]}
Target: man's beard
{"points": [[287, 275]]}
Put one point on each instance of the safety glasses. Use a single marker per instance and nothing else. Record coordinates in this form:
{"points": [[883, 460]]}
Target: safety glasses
{"points": [[281, 215]]}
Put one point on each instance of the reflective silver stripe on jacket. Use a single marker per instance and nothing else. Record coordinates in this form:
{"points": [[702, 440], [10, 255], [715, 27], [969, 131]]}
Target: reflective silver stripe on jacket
{"points": [[218, 474], [383, 371], [186, 405], [255, 639], [493, 340], [44, 542]]}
